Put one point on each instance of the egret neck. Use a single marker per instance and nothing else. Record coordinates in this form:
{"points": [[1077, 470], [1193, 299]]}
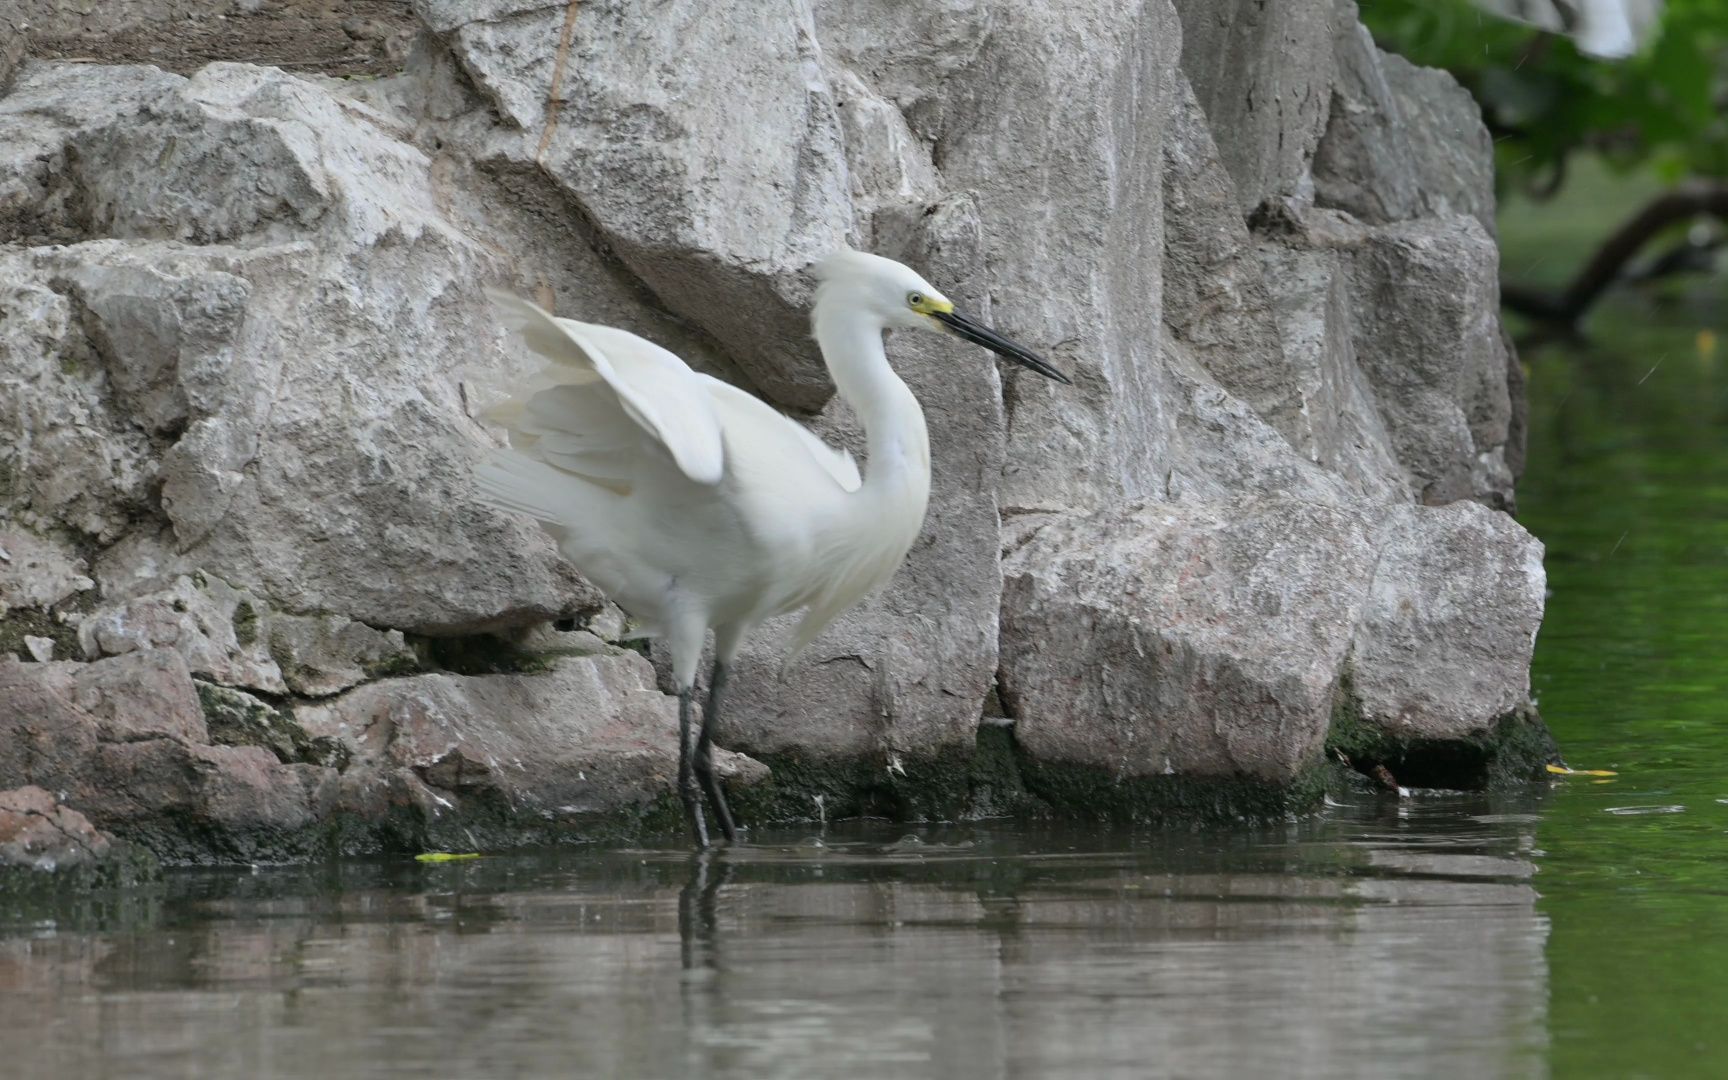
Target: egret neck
{"points": [[896, 439]]}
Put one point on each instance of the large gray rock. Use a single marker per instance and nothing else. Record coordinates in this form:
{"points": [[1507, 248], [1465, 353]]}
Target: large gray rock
{"points": [[1194, 640], [1341, 427], [1365, 163], [1459, 574], [233, 638], [511, 755], [123, 741], [1058, 127], [241, 342], [296, 456], [37, 572], [1221, 640], [1264, 74], [1421, 300], [195, 771], [1216, 299], [1402, 140], [40, 834], [716, 180], [1428, 337]]}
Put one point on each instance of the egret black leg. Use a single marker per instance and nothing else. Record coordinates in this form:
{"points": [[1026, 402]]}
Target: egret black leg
{"points": [[705, 756], [688, 788]]}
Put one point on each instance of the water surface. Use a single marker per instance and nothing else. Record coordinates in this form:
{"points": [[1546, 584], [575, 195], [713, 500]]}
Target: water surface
{"points": [[1384, 939]]}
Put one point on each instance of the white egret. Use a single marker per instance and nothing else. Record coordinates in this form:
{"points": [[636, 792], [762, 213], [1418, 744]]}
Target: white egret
{"points": [[1607, 28], [697, 507]]}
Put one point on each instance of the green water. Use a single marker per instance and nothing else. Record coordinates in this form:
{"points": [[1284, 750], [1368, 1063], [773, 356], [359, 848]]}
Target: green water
{"points": [[1628, 487], [1627, 484]]}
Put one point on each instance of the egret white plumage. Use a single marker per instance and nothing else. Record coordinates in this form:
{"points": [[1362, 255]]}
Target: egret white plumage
{"points": [[1605, 28], [698, 507]]}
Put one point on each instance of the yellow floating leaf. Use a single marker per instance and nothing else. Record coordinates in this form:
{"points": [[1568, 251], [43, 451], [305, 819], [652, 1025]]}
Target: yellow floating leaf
{"points": [[445, 856], [1561, 770]]}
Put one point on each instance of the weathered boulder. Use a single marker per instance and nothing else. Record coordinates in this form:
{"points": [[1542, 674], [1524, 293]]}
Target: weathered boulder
{"points": [[195, 771], [36, 572], [37, 833], [1200, 640], [716, 180], [1264, 74], [1402, 141], [1340, 424], [234, 638], [1158, 644], [1428, 338], [213, 627], [1464, 575], [1217, 303], [1364, 163], [245, 372], [508, 756], [1419, 313], [1058, 129], [124, 742]]}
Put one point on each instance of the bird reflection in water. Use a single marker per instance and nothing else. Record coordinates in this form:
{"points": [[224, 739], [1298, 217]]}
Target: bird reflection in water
{"points": [[699, 914]]}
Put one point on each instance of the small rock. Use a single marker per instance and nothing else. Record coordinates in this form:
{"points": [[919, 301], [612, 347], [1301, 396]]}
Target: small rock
{"points": [[39, 647], [39, 833], [213, 625], [36, 572]]}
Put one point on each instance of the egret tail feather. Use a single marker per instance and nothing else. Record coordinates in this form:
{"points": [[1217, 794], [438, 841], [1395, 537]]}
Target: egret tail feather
{"points": [[512, 481]]}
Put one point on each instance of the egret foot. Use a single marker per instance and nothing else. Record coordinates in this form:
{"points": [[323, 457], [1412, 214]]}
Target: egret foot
{"points": [[689, 790], [705, 757]]}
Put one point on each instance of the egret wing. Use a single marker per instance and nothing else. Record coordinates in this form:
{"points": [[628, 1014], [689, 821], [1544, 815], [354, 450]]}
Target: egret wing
{"points": [[603, 377], [777, 435]]}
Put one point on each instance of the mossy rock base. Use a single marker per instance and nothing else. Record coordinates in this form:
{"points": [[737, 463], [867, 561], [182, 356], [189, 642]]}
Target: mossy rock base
{"points": [[125, 866], [1086, 791], [236, 718], [993, 778], [1514, 750]]}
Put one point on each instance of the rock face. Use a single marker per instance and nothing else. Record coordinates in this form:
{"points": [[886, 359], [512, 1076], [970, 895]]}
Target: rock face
{"points": [[39, 834], [252, 601], [1201, 640], [197, 771]]}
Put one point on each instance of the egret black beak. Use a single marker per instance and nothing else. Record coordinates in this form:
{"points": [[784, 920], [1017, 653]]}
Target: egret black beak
{"points": [[996, 343]]}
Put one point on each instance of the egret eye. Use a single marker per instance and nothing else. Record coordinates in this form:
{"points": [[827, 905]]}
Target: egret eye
{"points": [[915, 300]]}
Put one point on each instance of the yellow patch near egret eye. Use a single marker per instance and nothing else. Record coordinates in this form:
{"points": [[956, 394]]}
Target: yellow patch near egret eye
{"points": [[927, 305]]}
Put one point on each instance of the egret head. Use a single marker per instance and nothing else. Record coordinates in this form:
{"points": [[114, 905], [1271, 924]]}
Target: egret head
{"points": [[896, 295]]}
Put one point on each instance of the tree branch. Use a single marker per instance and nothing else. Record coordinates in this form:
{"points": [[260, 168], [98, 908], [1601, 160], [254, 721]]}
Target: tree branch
{"points": [[1605, 267]]}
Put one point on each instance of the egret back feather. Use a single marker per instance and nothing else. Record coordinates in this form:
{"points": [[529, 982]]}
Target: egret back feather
{"points": [[652, 387]]}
